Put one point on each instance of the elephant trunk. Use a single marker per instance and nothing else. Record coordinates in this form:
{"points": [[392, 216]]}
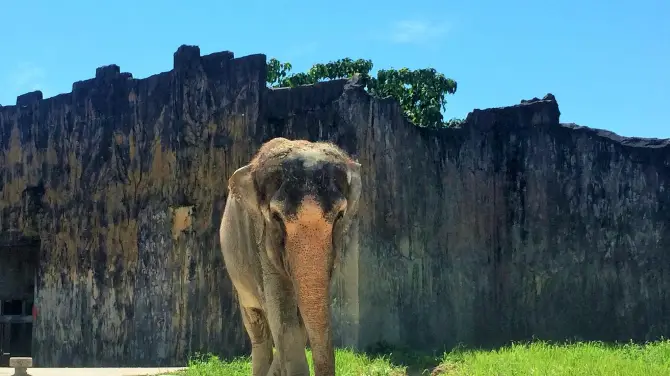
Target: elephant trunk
{"points": [[313, 302], [311, 260]]}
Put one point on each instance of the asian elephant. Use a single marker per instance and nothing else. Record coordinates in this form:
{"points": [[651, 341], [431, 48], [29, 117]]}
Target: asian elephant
{"points": [[284, 226]]}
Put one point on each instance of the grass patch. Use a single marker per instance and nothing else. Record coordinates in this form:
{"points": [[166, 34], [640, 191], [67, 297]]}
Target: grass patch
{"points": [[536, 359], [347, 363], [545, 359]]}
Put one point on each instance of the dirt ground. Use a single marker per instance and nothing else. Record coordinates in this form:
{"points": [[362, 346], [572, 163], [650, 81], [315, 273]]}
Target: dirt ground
{"points": [[91, 371]]}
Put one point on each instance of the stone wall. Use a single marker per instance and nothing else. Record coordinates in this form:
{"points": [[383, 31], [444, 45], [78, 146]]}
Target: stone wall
{"points": [[133, 175], [512, 226]]}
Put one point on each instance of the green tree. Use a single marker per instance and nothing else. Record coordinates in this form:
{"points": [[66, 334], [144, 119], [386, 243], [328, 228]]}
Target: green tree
{"points": [[421, 93], [277, 72]]}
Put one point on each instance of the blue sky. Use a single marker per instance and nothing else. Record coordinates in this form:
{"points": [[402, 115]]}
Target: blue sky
{"points": [[607, 62]]}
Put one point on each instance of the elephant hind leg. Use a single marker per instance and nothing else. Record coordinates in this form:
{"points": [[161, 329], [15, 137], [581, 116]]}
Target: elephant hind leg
{"points": [[261, 340]]}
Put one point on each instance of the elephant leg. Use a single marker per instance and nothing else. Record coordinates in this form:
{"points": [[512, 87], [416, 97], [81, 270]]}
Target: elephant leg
{"points": [[261, 340], [288, 334], [275, 368]]}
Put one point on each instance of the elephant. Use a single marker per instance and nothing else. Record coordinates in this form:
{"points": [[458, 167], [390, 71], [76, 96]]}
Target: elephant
{"points": [[284, 227]]}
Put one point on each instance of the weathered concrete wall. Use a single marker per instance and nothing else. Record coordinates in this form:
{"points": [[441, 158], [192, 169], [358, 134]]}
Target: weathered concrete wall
{"points": [[512, 226], [119, 160]]}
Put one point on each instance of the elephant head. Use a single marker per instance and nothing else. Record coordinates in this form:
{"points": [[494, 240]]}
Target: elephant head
{"points": [[304, 197]]}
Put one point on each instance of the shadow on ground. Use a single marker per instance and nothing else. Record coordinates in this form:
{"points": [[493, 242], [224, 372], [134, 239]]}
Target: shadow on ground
{"points": [[439, 362], [417, 363]]}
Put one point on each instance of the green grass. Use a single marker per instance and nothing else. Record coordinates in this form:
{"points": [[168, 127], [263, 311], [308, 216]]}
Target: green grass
{"points": [[544, 359], [536, 359], [347, 363]]}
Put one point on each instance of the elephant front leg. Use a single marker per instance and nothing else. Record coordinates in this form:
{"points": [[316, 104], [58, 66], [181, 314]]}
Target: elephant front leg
{"points": [[261, 340], [287, 331]]}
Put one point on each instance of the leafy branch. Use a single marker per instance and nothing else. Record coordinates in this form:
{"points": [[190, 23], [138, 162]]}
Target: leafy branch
{"points": [[421, 93]]}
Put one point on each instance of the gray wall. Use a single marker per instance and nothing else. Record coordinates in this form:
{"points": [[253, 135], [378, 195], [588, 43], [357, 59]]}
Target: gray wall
{"points": [[512, 226]]}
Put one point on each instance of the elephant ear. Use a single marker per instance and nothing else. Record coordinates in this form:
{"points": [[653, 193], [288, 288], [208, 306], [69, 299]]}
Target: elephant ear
{"points": [[354, 194], [241, 187], [353, 198]]}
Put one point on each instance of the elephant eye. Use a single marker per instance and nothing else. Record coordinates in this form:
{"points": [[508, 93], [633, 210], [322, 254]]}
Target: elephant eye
{"points": [[276, 217], [280, 230], [339, 216]]}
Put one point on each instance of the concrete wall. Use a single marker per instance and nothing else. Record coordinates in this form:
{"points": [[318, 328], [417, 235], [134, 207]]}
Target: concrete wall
{"points": [[513, 225]]}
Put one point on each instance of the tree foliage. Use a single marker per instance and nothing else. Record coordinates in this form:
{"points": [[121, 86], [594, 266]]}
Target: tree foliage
{"points": [[421, 93]]}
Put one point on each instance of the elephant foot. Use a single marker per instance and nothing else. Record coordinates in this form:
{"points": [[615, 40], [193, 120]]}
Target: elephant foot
{"points": [[275, 369]]}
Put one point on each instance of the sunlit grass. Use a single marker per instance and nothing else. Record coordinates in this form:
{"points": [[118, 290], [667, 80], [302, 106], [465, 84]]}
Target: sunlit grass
{"points": [[536, 359], [580, 359]]}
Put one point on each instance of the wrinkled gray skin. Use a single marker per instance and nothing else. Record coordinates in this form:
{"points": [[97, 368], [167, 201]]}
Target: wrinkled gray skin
{"points": [[284, 226]]}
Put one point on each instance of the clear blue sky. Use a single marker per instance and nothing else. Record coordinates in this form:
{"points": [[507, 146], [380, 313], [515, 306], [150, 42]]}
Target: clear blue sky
{"points": [[607, 62]]}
